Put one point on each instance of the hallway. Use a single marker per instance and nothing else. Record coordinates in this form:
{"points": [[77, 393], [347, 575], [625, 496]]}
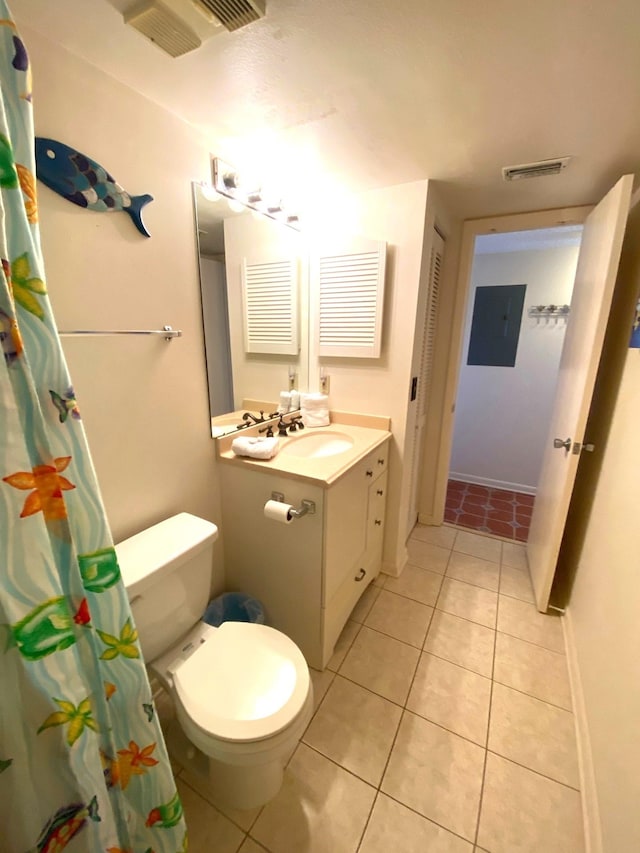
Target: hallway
{"points": [[499, 511]]}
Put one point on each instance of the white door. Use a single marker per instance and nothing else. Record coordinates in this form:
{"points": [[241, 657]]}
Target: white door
{"points": [[423, 378], [590, 304]]}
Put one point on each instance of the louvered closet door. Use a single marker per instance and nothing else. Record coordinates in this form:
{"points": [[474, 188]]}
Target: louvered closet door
{"points": [[428, 335], [348, 287], [270, 306]]}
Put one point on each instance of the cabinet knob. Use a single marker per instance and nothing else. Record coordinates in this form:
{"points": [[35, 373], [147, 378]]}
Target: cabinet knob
{"points": [[378, 522], [369, 473], [380, 492], [380, 461], [360, 575]]}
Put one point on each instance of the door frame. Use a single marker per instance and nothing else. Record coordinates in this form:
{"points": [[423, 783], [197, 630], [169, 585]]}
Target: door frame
{"points": [[432, 505]]}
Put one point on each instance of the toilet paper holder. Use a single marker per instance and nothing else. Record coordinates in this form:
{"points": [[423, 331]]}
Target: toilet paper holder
{"points": [[305, 506]]}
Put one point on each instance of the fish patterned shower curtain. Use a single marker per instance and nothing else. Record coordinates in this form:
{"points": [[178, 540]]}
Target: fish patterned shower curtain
{"points": [[83, 763]]}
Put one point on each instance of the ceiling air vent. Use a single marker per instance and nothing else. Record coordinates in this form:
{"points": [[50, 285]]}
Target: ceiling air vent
{"points": [[159, 24], [535, 170], [233, 14]]}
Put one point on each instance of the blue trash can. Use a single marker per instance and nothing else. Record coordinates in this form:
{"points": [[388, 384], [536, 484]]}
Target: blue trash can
{"points": [[234, 607]]}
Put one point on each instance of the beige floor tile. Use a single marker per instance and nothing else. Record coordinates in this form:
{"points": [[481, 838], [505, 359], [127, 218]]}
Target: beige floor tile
{"points": [[470, 602], [320, 808], [321, 683], [250, 846], [464, 567], [244, 818], [516, 583], [355, 728], [451, 696], [365, 603], [478, 546], [522, 620], [381, 664], [394, 827], [416, 583], [400, 617], [208, 828], [523, 812], [514, 555], [462, 642], [428, 556], [435, 535], [531, 669], [436, 773], [346, 638], [535, 734]]}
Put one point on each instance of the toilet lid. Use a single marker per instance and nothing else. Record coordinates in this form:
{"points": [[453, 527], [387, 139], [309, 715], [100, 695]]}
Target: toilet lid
{"points": [[246, 682]]}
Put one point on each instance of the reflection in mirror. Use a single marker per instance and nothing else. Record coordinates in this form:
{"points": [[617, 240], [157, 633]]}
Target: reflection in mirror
{"points": [[253, 283]]}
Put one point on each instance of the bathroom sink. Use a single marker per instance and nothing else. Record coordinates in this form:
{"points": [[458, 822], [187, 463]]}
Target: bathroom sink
{"points": [[316, 445]]}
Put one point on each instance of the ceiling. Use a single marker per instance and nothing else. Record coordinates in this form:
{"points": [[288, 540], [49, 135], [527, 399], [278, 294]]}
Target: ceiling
{"points": [[328, 95]]}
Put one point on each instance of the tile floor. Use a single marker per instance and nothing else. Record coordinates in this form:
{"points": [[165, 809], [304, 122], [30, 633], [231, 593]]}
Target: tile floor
{"points": [[443, 723], [498, 511]]}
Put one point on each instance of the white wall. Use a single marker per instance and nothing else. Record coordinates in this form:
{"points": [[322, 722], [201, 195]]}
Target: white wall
{"points": [[381, 386], [604, 608], [502, 413], [143, 401]]}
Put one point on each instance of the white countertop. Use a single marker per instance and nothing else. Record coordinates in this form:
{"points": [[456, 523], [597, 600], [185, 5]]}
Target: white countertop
{"points": [[323, 470]]}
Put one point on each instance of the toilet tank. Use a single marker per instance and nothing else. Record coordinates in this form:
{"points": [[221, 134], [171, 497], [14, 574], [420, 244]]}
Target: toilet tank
{"points": [[166, 570]]}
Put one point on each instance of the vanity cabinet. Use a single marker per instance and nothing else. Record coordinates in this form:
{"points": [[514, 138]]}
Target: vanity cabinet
{"points": [[310, 573]]}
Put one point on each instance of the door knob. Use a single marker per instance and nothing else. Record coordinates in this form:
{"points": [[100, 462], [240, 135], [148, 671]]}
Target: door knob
{"points": [[558, 443]]}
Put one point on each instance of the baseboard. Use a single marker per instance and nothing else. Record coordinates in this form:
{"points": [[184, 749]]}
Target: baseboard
{"points": [[492, 484], [588, 790]]}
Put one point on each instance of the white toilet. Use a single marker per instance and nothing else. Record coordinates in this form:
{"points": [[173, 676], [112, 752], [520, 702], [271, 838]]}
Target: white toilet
{"points": [[242, 692]]}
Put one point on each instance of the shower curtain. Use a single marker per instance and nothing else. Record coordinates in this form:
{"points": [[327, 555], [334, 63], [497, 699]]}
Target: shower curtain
{"points": [[82, 759]]}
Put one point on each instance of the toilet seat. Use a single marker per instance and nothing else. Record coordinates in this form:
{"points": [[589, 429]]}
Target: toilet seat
{"points": [[246, 682]]}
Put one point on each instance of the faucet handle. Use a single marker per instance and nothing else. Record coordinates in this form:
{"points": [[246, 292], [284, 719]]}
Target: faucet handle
{"points": [[268, 429]]}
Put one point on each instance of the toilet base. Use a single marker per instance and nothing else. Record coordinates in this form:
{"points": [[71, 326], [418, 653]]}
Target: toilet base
{"points": [[237, 786], [233, 786]]}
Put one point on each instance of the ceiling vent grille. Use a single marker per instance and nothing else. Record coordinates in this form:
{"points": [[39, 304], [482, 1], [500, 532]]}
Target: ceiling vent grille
{"points": [[535, 170], [233, 14], [159, 24]]}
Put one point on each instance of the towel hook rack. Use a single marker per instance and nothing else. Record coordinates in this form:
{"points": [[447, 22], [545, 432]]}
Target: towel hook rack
{"points": [[166, 331]]}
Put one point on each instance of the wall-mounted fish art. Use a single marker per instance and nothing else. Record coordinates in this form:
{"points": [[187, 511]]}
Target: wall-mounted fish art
{"points": [[86, 183]]}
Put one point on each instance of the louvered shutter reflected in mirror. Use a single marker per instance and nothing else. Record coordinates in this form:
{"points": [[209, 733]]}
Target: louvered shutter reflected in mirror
{"points": [[348, 286], [270, 303]]}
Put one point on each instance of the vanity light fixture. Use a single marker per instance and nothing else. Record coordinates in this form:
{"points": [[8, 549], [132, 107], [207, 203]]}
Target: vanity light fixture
{"points": [[232, 184]]}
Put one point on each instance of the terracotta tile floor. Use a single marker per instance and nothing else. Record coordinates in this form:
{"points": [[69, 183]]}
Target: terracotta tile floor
{"points": [[497, 511]]}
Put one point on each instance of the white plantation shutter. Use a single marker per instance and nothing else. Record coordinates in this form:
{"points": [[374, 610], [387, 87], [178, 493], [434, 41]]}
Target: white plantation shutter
{"points": [[429, 329], [348, 287], [270, 306], [425, 372]]}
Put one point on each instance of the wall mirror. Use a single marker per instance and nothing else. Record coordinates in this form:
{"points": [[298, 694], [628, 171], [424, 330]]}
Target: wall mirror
{"points": [[254, 291]]}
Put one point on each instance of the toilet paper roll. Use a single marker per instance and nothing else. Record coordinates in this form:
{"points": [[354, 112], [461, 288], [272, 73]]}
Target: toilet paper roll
{"points": [[278, 511]]}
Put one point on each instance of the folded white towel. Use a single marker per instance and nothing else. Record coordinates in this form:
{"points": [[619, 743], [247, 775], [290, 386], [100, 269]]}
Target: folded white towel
{"points": [[257, 447], [295, 401], [314, 401], [314, 418], [285, 402]]}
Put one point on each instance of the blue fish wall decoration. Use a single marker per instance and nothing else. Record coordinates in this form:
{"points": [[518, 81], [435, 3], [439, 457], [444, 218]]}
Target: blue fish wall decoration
{"points": [[86, 183]]}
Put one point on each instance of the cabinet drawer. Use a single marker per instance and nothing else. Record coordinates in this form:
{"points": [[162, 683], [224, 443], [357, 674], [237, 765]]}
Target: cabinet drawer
{"points": [[375, 464], [339, 608], [376, 515]]}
